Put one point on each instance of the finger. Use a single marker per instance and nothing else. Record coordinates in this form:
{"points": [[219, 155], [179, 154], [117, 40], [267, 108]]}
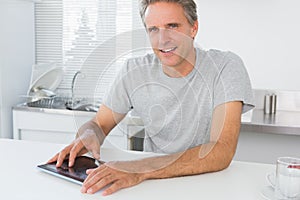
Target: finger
{"points": [[98, 172], [53, 159], [89, 171], [75, 150], [101, 183], [117, 185], [93, 178], [62, 155]]}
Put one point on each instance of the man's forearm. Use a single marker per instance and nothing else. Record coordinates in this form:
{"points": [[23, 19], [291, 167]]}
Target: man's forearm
{"points": [[92, 130], [190, 162], [185, 163]]}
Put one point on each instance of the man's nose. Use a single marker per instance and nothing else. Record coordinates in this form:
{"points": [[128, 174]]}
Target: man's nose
{"points": [[164, 36]]}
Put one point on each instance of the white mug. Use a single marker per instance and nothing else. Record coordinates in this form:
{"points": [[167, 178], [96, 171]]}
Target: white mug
{"points": [[286, 183]]}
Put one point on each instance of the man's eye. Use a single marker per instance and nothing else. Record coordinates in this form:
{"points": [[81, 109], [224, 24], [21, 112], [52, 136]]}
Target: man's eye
{"points": [[173, 26], [152, 29]]}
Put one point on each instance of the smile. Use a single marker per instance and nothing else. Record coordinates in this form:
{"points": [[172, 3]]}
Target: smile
{"points": [[168, 50]]}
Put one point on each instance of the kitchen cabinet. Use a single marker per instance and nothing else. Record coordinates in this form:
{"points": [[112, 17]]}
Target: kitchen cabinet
{"points": [[267, 137], [258, 146], [59, 126]]}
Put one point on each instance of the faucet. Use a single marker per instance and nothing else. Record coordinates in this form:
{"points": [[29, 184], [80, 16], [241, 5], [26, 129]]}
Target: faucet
{"points": [[73, 83], [72, 105]]}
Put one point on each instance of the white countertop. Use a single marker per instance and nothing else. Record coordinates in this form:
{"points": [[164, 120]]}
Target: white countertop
{"points": [[283, 122], [20, 179]]}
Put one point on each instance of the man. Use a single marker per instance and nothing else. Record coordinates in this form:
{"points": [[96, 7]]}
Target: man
{"points": [[190, 100]]}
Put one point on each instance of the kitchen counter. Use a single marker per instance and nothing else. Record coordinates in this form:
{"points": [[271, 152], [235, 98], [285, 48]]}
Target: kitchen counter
{"points": [[128, 120], [20, 179], [24, 107], [283, 122]]}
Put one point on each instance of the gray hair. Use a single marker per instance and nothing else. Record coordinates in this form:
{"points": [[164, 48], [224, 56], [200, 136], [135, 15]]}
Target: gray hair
{"points": [[189, 7]]}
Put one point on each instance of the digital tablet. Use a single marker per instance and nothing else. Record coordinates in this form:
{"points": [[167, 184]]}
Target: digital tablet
{"points": [[76, 174]]}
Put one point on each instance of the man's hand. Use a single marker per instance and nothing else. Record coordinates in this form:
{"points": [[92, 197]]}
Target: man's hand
{"points": [[112, 176], [88, 139], [76, 148]]}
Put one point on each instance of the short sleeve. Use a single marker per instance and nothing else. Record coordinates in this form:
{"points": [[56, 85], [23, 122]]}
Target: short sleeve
{"points": [[233, 83], [117, 96]]}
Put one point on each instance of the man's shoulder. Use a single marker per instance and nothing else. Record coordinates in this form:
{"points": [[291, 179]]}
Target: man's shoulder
{"points": [[220, 55]]}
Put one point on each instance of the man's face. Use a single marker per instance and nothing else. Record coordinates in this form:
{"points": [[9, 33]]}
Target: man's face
{"points": [[170, 33]]}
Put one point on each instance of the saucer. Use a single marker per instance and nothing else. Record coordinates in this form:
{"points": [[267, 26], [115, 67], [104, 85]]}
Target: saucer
{"points": [[268, 193]]}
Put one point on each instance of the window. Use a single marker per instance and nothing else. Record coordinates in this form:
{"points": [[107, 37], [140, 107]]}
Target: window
{"points": [[91, 36]]}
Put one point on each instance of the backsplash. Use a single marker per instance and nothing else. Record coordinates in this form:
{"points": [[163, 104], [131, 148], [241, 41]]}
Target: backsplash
{"points": [[286, 100]]}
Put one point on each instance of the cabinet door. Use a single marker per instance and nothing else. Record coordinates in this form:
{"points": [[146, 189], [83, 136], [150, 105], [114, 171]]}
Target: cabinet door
{"points": [[266, 147], [58, 128]]}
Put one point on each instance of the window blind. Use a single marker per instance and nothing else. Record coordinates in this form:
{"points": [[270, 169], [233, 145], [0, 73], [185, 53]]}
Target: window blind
{"points": [[91, 36]]}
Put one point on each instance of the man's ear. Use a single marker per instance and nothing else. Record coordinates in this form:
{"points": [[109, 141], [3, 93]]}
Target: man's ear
{"points": [[194, 29]]}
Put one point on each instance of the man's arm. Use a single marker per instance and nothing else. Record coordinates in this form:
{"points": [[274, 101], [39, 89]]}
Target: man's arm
{"points": [[213, 156], [210, 157], [89, 136], [107, 119]]}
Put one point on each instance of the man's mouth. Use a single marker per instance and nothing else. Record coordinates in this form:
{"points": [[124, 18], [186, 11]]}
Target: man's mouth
{"points": [[168, 50]]}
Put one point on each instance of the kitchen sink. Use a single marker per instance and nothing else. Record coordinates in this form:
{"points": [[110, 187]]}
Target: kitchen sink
{"points": [[64, 103], [82, 107]]}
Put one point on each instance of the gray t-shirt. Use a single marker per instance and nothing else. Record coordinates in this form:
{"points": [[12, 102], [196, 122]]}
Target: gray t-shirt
{"points": [[177, 112]]}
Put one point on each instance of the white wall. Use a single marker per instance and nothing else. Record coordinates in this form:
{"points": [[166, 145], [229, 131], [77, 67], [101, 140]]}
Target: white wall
{"points": [[265, 33], [16, 57]]}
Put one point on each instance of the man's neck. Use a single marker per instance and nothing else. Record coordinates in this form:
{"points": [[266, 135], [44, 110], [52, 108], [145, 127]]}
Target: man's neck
{"points": [[183, 68]]}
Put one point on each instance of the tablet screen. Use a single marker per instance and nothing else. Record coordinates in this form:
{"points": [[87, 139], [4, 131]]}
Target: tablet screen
{"points": [[76, 174]]}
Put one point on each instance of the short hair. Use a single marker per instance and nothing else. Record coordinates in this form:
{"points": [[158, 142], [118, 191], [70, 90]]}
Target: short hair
{"points": [[189, 7]]}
